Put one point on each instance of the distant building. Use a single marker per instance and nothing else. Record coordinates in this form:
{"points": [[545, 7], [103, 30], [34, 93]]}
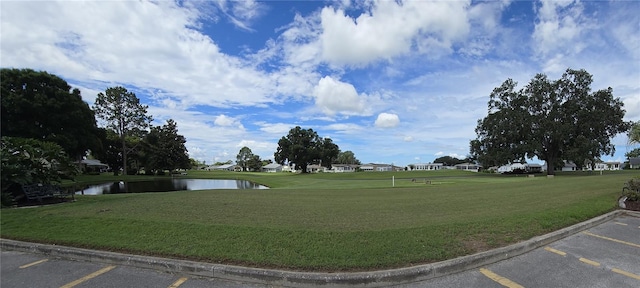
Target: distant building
{"points": [[272, 168]]}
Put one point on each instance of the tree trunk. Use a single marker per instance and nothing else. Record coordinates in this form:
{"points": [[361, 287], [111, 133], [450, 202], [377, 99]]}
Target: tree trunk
{"points": [[551, 163], [124, 156]]}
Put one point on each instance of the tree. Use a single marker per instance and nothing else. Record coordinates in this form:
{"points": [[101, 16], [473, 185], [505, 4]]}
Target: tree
{"points": [[42, 106], [255, 163], [28, 161], [122, 112], [165, 149], [634, 133], [347, 157], [328, 152], [633, 153], [243, 158], [303, 147], [552, 120], [448, 160]]}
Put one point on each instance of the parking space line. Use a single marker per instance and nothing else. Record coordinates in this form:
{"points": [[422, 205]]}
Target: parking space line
{"points": [[620, 223], [612, 239], [33, 263], [502, 280], [555, 251], [590, 262], [178, 282], [88, 277], [625, 273]]}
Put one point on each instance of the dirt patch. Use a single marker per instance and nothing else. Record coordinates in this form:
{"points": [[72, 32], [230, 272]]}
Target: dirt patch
{"points": [[475, 245]]}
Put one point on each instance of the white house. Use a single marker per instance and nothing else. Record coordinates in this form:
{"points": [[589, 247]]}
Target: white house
{"points": [[634, 162], [569, 166], [272, 168], [426, 166], [519, 167], [342, 168], [509, 168], [225, 167], [468, 167]]}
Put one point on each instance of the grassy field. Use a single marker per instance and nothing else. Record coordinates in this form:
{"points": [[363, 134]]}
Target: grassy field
{"points": [[324, 222]]}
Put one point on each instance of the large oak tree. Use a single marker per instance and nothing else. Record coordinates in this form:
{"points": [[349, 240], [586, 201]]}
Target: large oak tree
{"points": [[42, 106], [553, 120], [303, 147]]}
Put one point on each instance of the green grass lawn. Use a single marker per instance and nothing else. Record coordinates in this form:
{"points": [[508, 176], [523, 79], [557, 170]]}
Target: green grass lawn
{"points": [[324, 222]]}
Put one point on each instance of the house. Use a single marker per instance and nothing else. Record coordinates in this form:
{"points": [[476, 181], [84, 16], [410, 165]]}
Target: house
{"points": [[379, 167], [534, 168], [568, 166], [342, 168], [426, 166], [468, 167], [611, 165], [92, 165], [634, 162], [225, 167], [512, 168], [519, 168], [314, 168], [272, 168]]}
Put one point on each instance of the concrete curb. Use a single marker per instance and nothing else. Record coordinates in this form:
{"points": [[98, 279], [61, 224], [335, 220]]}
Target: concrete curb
{"points": [[380, 278]]}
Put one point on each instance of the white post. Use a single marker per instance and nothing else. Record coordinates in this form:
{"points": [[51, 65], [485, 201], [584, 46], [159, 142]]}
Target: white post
{"points": [[393, 181]]}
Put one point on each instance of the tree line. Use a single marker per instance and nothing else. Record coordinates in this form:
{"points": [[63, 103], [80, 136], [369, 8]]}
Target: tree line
{"points": [[47, 126]]}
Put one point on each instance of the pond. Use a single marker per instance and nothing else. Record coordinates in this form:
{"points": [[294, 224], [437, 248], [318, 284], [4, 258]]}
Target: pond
{"points": [[166, 185]]}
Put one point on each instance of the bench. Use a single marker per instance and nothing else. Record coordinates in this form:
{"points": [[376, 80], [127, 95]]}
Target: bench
{"points": [[45, 191]]}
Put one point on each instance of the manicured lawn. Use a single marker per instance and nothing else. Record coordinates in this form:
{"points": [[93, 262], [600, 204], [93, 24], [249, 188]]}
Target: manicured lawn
{"points": [[324, 222]]}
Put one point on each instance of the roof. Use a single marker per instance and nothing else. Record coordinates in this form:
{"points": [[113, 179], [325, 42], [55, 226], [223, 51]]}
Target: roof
{"points": [[634, 160], [272, 166], [93, 162]]}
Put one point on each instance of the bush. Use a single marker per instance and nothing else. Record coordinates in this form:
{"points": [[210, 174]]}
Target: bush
{"points": [[632, 190], [28, 161]]}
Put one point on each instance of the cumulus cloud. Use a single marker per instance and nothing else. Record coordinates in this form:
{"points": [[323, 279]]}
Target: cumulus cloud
{"points": [[154, 46], [392, 28], [224, 120], [334, 96], [559, 25], [387, 120]]}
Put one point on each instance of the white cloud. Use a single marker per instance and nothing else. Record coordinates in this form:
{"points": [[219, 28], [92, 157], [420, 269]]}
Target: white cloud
{"points": [[154, 46], [224, 120], [408, 139], [275, 128], [334, 96], [391, 28], [559, 26], [387, 120]]}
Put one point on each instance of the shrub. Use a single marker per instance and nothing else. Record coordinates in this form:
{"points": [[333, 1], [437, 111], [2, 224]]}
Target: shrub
{"points": [[632, 190]]}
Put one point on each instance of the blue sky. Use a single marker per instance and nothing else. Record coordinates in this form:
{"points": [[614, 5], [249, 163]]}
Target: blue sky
{"points": [[393, 81]]}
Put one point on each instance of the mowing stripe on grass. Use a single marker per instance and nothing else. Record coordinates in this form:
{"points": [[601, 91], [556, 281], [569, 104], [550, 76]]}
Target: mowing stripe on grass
{"points": [[88, 277], [33, 263], [502, 280], [555, 251], [612, 239]]}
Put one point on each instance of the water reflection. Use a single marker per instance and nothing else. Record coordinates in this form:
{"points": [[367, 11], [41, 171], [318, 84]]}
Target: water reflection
{"points": [[165, 185]]}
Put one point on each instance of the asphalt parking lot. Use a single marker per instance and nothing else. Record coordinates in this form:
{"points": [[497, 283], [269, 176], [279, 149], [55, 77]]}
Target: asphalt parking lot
{"points": [[607, 255]]}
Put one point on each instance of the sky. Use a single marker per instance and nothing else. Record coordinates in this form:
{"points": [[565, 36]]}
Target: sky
{"points": [[396, 82]]}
